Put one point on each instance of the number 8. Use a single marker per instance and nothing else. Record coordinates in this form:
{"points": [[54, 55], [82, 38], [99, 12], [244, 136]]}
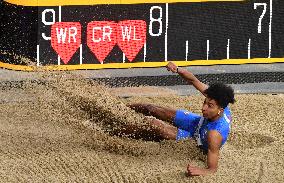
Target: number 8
{"points": [[155, 20]]}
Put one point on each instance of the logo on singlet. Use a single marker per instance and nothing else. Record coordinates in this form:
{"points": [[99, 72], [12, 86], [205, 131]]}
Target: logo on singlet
{"points": [[228, 119], [186, 112]]}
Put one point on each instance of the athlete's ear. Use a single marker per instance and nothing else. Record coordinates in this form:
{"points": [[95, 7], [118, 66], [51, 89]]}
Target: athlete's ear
{"points": [[221, 110]]}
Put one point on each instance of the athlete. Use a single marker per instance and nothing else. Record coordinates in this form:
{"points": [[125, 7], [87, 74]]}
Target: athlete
{"points": [[210, 130]]}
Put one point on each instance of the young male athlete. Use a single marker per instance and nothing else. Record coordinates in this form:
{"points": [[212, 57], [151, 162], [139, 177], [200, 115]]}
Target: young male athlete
{"points": [[210, 130]]}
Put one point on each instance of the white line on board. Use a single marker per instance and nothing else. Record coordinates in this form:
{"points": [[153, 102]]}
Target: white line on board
{"points": [[228, 49], [249, 46], [59, 20], [145, 52], [166, 33], [186, 50], [81, 56], [270, 30], [123, 57], [37, 55], [58, 60], [208, 42], [59, 17]]}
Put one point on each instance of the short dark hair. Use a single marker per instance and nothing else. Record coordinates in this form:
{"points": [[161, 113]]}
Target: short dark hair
{"points": [[221, 93]]}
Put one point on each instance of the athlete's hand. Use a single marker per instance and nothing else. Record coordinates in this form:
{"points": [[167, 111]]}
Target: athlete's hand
{"points": [[196, 171], [171, 67]]}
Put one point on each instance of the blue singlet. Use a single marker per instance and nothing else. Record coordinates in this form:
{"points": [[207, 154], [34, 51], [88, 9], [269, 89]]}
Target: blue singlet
{"points": [[188, 124]]}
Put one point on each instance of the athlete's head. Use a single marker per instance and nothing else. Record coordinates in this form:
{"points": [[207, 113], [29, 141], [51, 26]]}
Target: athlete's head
{"points": [[218, 96]]}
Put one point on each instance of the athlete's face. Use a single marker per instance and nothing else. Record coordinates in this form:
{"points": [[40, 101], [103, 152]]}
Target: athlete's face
{"points": [[211, 110]]}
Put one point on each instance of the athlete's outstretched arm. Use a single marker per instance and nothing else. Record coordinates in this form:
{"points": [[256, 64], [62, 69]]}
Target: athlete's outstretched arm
{"points": [[214, 144], [188, 76]]}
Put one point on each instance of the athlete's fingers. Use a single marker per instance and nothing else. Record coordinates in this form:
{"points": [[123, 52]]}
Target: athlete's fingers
{"points": [[192, 170]]}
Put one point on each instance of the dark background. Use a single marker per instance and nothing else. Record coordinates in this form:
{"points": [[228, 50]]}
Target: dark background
{"points": [[21, 29]]}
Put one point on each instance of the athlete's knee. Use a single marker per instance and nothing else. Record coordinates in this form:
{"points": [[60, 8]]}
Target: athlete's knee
{"points": [[157, 122], [165, 130], [151, 108]]}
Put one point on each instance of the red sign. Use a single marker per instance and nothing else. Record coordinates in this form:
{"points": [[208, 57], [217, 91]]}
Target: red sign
{"points": [[131, 37], [101, 38], [66, 39]]}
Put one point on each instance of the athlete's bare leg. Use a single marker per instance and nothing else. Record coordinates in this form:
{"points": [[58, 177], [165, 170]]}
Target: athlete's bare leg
{"points": [[162, 113], [166, 131], [157, 130]]}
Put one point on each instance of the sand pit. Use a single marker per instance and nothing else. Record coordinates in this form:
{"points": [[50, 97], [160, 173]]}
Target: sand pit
{"points": [[68, 130]]}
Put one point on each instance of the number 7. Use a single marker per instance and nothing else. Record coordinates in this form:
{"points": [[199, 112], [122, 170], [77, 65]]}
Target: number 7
{"points": [[262, 15]]}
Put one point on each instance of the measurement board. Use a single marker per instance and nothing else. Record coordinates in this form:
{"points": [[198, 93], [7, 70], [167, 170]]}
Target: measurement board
{"points": [[122, 34]]}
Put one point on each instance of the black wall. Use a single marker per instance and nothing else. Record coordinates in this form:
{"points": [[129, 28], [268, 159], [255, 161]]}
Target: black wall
{"points": [[21, 29]]}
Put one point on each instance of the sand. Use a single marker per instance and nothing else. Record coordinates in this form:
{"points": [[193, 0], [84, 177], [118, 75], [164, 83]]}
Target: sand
{"points": [[71, 130]]}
